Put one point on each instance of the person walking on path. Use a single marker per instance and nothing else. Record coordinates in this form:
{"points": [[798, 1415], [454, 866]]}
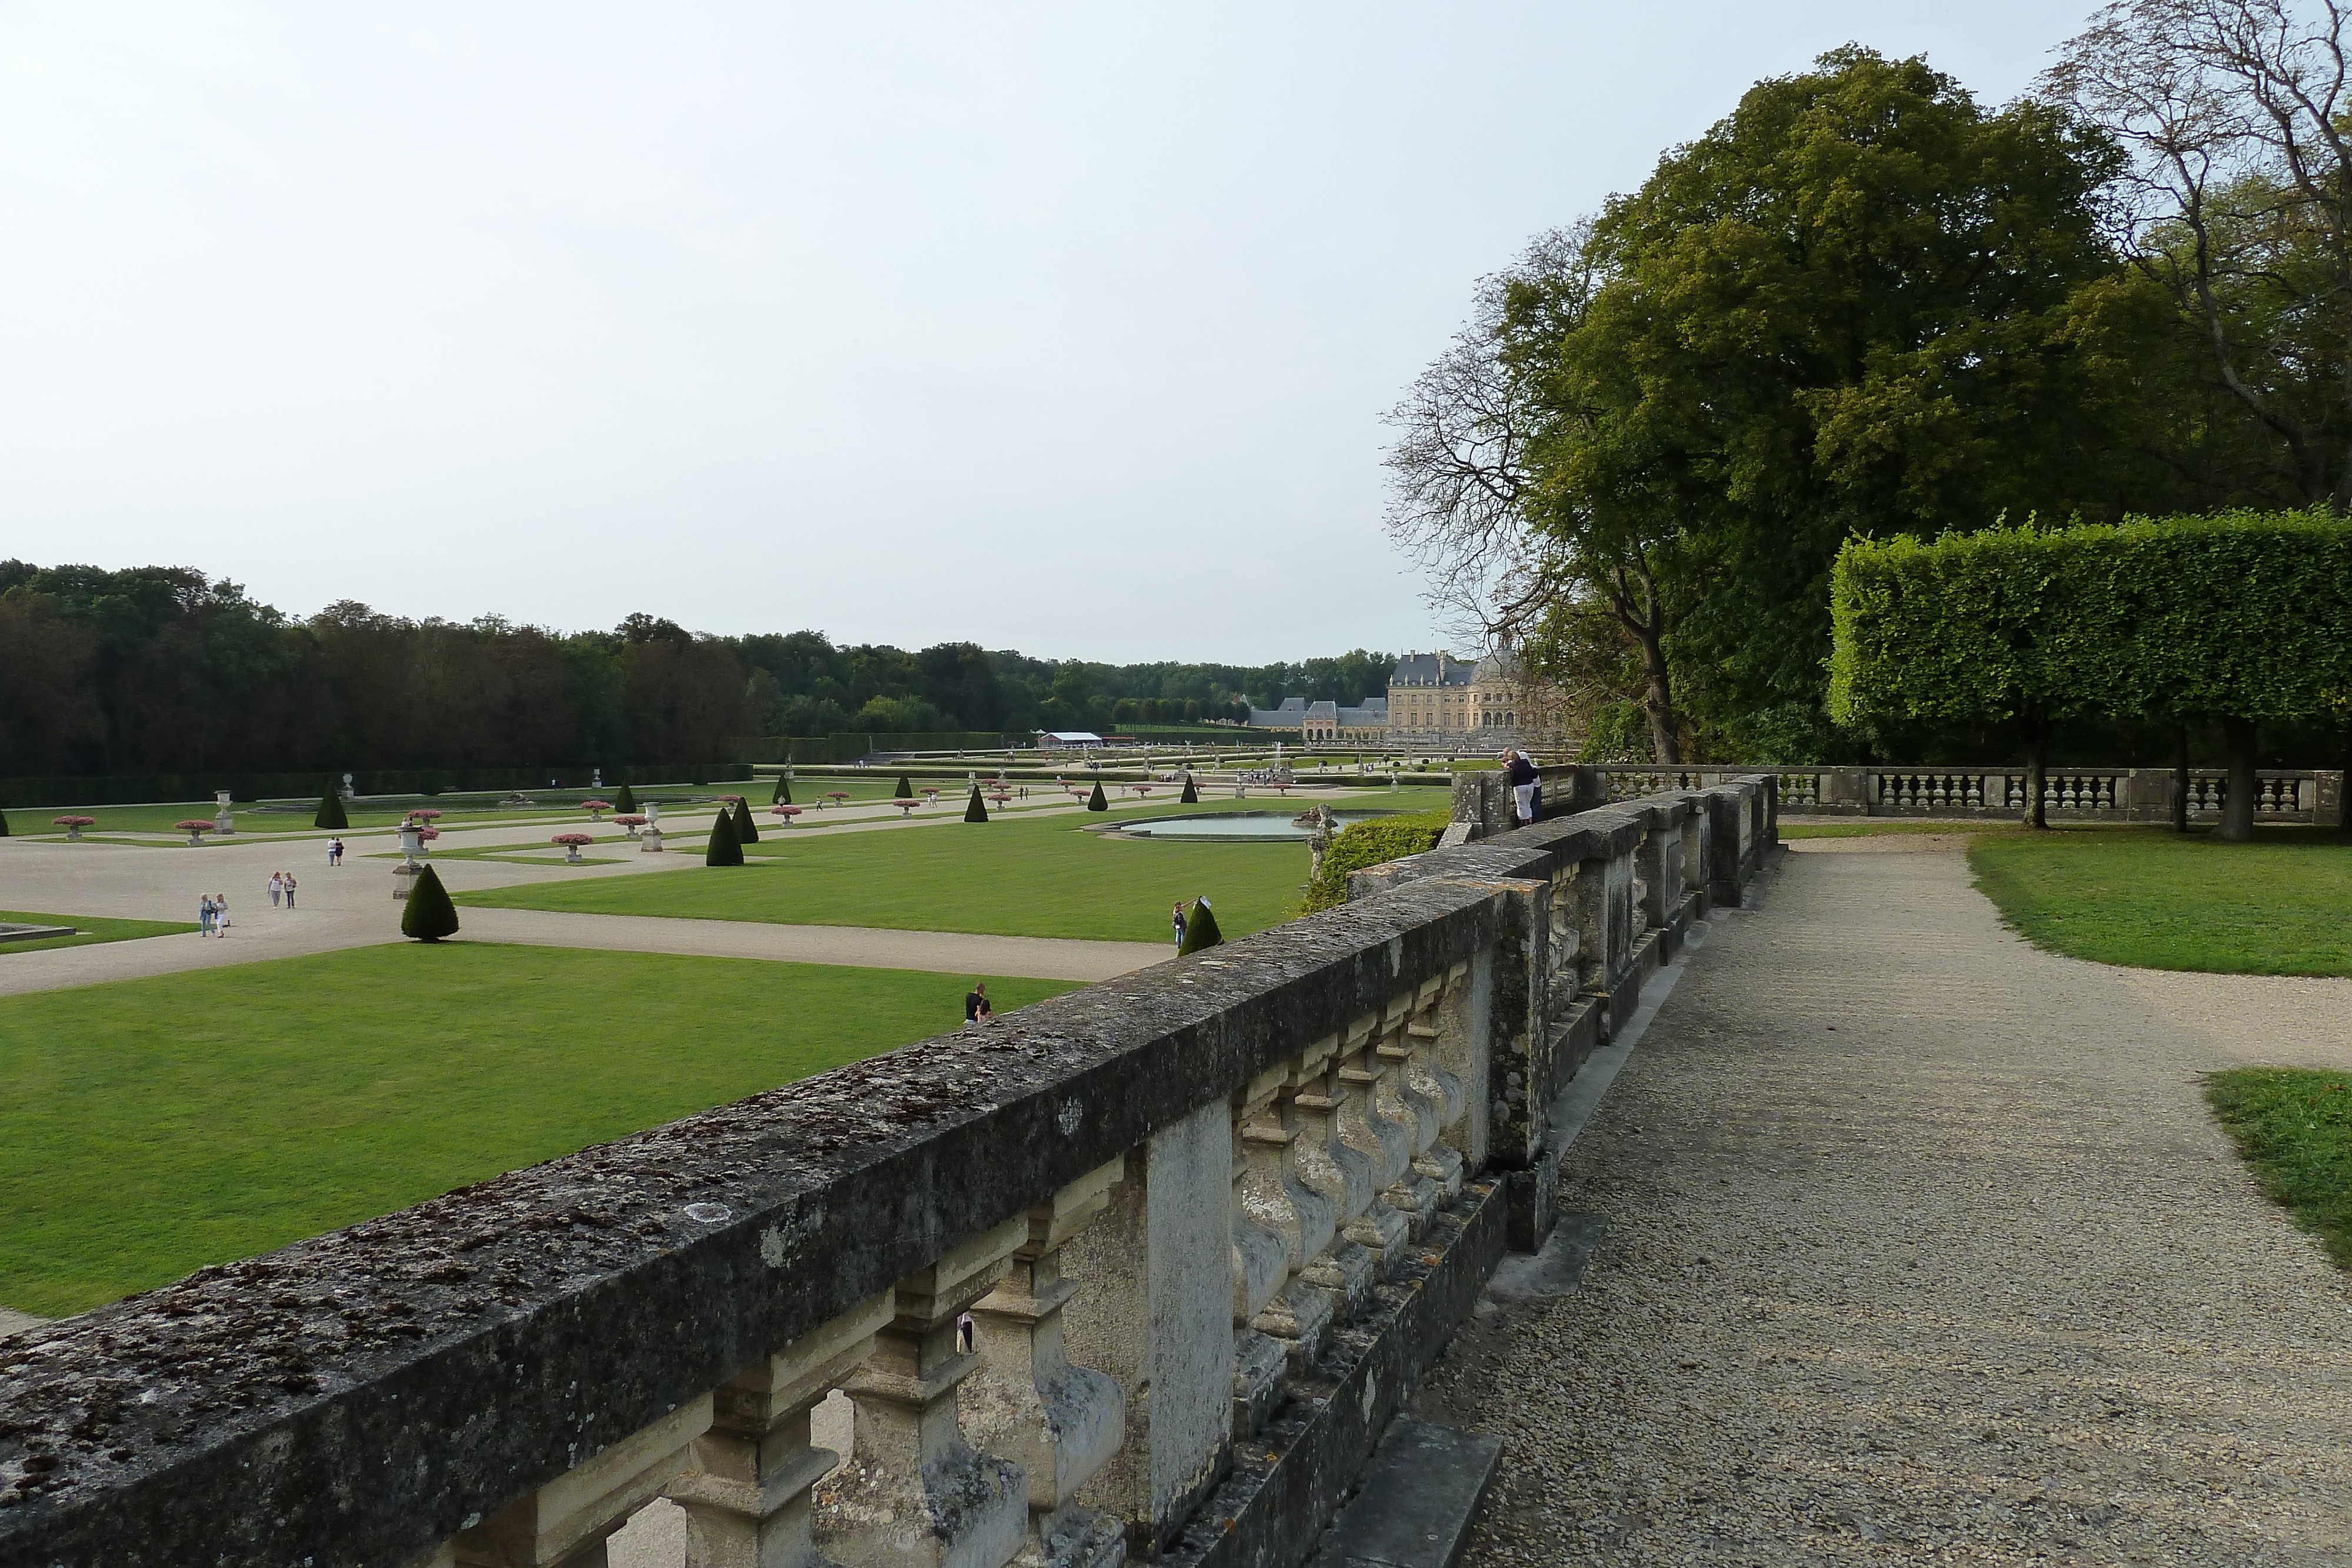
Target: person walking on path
{"points": [[205, 913], [1178, 919], [334, 851], [289, 890], [220, 914], [1524, 778], [976, 1009], [277, 885]]}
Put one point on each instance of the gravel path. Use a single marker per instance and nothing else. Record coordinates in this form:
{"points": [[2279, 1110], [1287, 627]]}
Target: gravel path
{"points": [[1920, 1246]]}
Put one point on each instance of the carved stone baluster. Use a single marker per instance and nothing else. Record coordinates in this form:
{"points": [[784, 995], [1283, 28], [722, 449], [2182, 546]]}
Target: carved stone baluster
{"points": [[1324, 1164], [1059, 1423], [1365, 1125], [748, 1500], [1299, 1314], [1438, 1090], [1261, 1263], [564, 1524], [914, 1491], [1394, 1101]]}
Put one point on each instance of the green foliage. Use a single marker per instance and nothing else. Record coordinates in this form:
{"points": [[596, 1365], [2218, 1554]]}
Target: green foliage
{"points": [[906, 789], [783, 795], [1371, 843], [331, 815], [2245, 615], [625, 802], [1192, 795], [429, 915], [2294, 1126], [1095, 802], [973, 811], [4, 822], [2145, 898], [1199, 928], [747, 831], [724, 848]]}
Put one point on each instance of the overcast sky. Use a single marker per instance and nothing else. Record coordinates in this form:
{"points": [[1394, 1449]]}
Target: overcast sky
{"points": [[1064, 327]]}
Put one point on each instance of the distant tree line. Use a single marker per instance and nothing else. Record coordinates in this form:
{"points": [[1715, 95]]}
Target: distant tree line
{"points": [[164, 669]]}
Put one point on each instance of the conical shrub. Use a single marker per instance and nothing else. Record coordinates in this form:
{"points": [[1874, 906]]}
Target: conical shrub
{"points": [[725, 849], [4, 824], [784, 792], [1190, 797], [430, 916], [906, 789], [747, 831], [1199, 928], [973, 811], [625, 802], [1095, 802], [330, 812]]}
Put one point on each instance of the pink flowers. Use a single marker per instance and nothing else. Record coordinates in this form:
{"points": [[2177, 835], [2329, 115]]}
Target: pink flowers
{"points": [[196, 828], [75, 821], [787, 812], [571, 839], [596, 809]]}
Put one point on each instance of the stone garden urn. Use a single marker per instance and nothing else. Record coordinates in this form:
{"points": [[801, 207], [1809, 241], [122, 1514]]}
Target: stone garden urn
{"points": [[570, 843], [224, 820], [73, 826]]}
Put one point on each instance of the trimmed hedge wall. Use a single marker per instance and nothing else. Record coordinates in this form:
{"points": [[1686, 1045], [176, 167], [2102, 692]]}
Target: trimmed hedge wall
{"points": [[127, 789], [2245, 615], [1376, 842]]}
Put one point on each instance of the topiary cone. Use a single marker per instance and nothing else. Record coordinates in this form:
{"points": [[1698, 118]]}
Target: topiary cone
{"points": [[747, 831], [4, 824], [906, 789], [784, 792], [625, 802], [1199, 928], [973, 811], [430, 916], [1095, 802], [330, 812], [1190, 797], [725, 848]]}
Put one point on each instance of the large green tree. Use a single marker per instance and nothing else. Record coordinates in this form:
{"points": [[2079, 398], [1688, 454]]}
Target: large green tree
{"points": [[1864, 301]]}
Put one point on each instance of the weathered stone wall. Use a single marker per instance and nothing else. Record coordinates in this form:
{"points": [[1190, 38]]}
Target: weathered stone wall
{"points": [[1210, 1220]]}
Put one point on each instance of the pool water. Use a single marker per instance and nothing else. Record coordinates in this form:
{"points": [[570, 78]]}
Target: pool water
{"points": [[1262, 827]]}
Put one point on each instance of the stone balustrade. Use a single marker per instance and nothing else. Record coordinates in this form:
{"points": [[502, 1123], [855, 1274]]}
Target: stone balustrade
{"points": [[1141, 1273], [2306, 796]]}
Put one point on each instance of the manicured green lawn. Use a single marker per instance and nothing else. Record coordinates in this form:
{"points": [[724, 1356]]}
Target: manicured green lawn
{"points": [[2294, 1126], [148, 1127], [1869, 827], [1039, 877], [2148, 899], [93, 929]]}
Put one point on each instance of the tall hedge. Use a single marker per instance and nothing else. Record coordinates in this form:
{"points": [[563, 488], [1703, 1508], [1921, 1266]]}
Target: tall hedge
{"points": [[330, 812], [725, 848], [429, 915], [747, 831], [2243, 617]]}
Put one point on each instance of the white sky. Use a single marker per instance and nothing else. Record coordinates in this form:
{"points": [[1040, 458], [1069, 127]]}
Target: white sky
{"points": [[1064, 327]]}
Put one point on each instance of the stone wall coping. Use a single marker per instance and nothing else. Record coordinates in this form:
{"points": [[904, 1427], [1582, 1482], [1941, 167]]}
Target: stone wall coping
{"points": [[377, 1388]]}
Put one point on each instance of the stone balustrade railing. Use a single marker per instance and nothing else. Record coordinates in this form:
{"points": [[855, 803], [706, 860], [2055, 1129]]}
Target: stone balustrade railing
{"points": [[2090, 794], [1139, 1273]]}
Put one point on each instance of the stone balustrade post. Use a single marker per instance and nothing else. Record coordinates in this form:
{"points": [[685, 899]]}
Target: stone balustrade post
{"points": [[565, 1524], [914, 1491], [1059, 1423], [1298, 1314], [1656, 868], [749, 1499], [1323, 1163]]}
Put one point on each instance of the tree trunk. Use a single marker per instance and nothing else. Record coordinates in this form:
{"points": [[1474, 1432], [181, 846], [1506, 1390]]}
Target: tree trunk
{"points": [[1666, 735], [2238, 794], [2180, 779], [2037, 769]]}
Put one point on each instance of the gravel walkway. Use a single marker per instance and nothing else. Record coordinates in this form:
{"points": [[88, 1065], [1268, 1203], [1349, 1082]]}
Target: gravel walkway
{"points": [[1921, 1246]]}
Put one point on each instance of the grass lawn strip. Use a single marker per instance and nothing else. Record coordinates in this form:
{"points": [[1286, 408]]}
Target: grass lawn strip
{"points": [[2293, 1127], [2146, 898], [1042, 877], [92, 929], [148, 1127], [1871, 826]]}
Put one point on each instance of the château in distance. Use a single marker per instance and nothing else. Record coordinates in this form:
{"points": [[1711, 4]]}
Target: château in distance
{"points": [[1435, 702]]}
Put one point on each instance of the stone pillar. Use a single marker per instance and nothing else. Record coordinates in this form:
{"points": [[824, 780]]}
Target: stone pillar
{"points": [[914, 1492], [565, 1524], [1158, 1316], [748, 1498], [1656, 868]]}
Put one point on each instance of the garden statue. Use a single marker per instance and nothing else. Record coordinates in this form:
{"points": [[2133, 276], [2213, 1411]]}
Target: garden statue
{"points": [[1319, 824], [224, 821]]}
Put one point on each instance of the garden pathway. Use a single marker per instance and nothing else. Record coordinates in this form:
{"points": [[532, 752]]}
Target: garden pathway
{"points": [[1921, 1245]]}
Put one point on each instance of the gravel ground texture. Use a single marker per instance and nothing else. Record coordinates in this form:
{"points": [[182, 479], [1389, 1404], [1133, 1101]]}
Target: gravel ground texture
{"points": [[1921, 1246]]}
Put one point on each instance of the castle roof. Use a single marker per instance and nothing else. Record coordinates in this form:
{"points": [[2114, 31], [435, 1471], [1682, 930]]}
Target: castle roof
{"points": [[1431, 670]]}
